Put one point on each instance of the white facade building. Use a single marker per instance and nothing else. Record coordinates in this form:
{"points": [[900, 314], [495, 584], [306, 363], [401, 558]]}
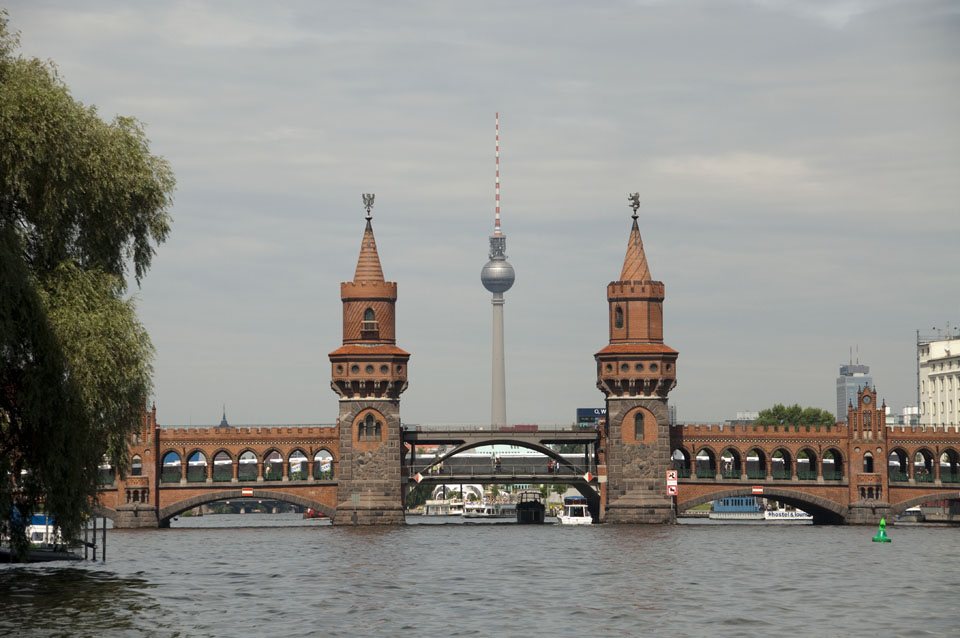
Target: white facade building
{"points": [[939, 365]]}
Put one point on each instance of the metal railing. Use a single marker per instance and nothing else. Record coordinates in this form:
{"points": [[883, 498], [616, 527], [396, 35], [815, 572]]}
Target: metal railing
{"points": [[706, 472], [506, 470], [807, 475], [898, 477]]}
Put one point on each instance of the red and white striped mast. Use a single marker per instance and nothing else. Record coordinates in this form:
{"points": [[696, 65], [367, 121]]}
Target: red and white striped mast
{"points": [[496, 223]]}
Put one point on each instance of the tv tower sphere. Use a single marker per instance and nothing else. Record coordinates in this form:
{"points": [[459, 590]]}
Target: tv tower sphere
{"points": [[497, 275]]}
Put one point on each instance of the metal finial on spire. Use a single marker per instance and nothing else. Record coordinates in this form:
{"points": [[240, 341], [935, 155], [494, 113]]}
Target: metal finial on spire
{"points": [[496, 223], [634, 199], [368, 203]]}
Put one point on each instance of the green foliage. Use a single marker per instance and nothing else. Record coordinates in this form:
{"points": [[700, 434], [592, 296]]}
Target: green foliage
{"points": [[79, 200], [794, 415], [418, 495]]}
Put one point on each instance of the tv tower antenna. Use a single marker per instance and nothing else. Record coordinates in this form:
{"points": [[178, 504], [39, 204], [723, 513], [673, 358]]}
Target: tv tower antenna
{"points": [[496, 223]]}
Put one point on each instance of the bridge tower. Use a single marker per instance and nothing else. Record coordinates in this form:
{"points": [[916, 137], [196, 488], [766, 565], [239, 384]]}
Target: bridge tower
{"points": [[369, 372], [635, 372], [868, 453]]}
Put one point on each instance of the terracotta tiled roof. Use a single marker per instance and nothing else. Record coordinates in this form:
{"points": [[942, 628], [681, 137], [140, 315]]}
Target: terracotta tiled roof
{"points": [[634, 348], [368, 266], [635, 263]]}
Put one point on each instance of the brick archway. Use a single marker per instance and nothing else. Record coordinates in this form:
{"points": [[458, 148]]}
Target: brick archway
{"points": [[902, 506], [821, 507], [179, 507], [101, 510]]}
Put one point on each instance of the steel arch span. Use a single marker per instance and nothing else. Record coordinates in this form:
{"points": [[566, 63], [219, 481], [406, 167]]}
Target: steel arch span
{"points": [[181, 506]]}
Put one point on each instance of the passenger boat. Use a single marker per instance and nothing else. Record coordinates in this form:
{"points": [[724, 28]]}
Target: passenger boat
{"points": [[530, 508], [575, 511], [451, 507], [489, 510], [737, 508], [46, 544], [312, 513], [786, 516]]}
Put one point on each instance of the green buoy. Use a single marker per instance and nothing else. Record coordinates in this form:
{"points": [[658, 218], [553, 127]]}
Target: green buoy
{"points": [[881, 536]]}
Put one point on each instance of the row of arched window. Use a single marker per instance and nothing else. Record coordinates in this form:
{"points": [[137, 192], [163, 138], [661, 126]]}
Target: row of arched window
{"points": [[247, 467], [755, 464]]}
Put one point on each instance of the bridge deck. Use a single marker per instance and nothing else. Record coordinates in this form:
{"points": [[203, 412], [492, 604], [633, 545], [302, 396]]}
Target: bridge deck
{"points": [[475, 437]]}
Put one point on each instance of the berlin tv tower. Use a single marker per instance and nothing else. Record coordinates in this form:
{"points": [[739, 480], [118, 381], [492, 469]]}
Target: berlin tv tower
{"points": [[497, 277]]}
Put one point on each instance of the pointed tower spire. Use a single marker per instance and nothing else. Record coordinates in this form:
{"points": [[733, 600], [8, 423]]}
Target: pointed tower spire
{"points": [[635, 266], [368, 265]]}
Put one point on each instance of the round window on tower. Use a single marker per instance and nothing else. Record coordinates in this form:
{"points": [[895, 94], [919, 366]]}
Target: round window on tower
{"points": [[653, 367], [624, 367], [639, 367], [609, 368], [354, 368], [384, 369], [369, 369], [339, 369]]}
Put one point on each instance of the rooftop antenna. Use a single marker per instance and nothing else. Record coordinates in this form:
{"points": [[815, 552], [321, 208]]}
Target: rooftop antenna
{"points": [[851, 355], [496, 223], [858, 354]]}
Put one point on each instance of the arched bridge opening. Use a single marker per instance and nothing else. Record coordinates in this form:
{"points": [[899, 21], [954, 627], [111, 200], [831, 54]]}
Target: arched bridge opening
{"points": [[824, 511], [167, 513], [916, 501], [545, 466], [107, 512]]}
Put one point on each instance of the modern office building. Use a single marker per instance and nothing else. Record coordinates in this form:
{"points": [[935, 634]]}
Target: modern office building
{"points": [[938, 365], [853, 377]]}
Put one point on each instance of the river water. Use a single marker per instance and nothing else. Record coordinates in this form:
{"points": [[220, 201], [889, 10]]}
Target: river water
{"points": [[276, 575]]}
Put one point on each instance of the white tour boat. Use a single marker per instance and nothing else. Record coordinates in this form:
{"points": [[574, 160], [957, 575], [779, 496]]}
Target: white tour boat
{"points": [[786, 516]]}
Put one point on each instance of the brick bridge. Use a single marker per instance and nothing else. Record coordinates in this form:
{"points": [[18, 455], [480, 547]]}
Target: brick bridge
{"points": [[358, 471], [841, 473]]}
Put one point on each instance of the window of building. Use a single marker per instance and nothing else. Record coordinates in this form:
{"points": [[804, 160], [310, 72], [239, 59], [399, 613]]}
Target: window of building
{"points": [[370, 429], [638, 426], [369, 320], [136, 465], [618, 317]]}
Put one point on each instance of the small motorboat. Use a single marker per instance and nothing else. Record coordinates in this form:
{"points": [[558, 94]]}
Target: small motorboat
{"points": [[575, 511]]}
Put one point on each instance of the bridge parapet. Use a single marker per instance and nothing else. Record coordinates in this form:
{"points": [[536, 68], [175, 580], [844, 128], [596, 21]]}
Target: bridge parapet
{"points": [[324, 431], [764, 431], [915, 430]]}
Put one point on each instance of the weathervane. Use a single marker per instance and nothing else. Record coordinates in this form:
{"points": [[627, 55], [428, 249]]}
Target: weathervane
{"points": [[368, 203], [634, 199]]}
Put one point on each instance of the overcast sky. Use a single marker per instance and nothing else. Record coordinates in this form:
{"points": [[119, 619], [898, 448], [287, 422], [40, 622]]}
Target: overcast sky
{"points": [[798, 165]]}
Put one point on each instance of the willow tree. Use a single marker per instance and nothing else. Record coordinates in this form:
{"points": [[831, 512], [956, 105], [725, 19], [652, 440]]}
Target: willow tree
{"points": [[83, 203]]}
